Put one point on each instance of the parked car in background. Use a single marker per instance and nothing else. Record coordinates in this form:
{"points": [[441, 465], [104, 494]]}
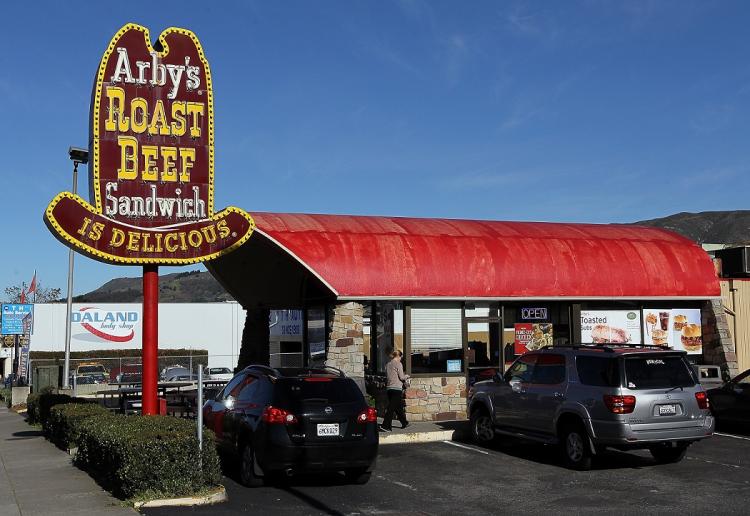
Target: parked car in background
{"points": [[730, 403], [82, 380], [117, 373], [289, 421], [218, 373], [586, 398], [183, 378], [93, 369], [130, 378], [170, 374]]}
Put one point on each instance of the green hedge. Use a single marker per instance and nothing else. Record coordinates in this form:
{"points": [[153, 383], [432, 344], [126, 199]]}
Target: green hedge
{"points": [[46, 402], [146, 456], [63, 426], [5, 395]]}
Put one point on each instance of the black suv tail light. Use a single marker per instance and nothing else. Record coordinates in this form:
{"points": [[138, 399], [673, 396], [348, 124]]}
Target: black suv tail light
{"points": [[702, 398], [277, 416], [620, 404], [369, 415]]}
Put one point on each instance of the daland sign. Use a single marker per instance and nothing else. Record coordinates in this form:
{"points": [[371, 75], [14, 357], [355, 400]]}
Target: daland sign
{"points": [[151, 172], [151, 159]]}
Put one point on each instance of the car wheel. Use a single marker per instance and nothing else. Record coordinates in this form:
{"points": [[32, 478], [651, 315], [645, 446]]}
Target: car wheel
{"points": [[574, 447], [358, 476], [668, 454], [482, 429], [248, 477]]}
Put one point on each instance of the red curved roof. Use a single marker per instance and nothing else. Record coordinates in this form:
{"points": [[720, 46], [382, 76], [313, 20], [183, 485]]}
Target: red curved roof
{"points": [[369, 257]]}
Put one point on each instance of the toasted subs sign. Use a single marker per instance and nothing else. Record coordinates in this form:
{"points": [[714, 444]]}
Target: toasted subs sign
{"points": [[151, 159]]}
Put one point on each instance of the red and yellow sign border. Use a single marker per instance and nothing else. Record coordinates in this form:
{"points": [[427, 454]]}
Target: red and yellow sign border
{"points": [[64, 231], [74, 242]]}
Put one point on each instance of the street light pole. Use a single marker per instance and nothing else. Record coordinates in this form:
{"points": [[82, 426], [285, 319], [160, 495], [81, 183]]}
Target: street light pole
{"points": [[78, 156]]}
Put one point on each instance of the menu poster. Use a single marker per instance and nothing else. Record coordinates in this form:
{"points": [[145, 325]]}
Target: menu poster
{"points": [[610, 326], [532, 336], [678, 328]]}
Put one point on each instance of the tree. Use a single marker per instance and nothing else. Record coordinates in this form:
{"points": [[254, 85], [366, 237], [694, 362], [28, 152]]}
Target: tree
{"points": [[43, 295]]}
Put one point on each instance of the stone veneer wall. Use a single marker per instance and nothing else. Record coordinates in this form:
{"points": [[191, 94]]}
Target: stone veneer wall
{"points": [[718, 348], [346, 342], [436, 399]]}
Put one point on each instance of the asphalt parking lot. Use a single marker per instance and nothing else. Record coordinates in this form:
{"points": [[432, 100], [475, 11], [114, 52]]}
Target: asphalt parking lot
{"points": [[511, 477]]}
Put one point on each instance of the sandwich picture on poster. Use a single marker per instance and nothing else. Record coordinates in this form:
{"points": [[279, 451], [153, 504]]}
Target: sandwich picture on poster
{"points": [[610, 327], [532, 336], [677, 328]]}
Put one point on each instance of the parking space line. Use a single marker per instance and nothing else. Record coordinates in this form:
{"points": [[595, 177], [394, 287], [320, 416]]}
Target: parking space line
{"points": [[735, 466], [466, 447], [733, 436], [395, 482]]}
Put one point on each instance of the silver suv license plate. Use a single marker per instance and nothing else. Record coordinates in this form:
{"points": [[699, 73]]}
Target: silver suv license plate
{"points": [[328, 429], [667, 410]]}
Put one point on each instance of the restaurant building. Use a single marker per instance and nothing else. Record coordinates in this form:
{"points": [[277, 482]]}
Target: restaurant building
{"points": [[463, 298]]}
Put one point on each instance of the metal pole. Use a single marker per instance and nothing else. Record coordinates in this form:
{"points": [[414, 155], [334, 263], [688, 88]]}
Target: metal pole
{"points": [[199, 409], [16, 360], [66, 364], [150, 339]]}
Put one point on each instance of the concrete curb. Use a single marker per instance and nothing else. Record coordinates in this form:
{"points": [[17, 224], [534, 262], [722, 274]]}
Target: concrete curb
{"points": [[418, 437], [217, 497]]}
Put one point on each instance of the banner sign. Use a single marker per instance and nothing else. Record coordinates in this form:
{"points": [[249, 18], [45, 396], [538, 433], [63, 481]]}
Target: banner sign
{"points": [[678, 328], [15, 318], [531, 336], [23, 362], [151, 159], [610, 326]]}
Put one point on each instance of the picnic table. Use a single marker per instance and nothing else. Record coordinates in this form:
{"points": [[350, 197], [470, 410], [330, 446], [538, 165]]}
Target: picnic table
{"points": [[181, 396]]}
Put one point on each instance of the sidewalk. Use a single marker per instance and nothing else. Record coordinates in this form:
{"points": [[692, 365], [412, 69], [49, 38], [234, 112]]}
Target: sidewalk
{"points": [[36, 478], [425, 432]]}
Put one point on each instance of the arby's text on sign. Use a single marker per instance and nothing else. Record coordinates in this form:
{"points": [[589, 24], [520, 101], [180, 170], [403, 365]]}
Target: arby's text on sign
{"points": [[151, 166]]}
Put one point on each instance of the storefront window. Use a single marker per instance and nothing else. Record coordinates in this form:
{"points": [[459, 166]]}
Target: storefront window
{"points": [[389, 333], [528, 327], [316, 336], [367, 344], [436, 338], [483, 341]]}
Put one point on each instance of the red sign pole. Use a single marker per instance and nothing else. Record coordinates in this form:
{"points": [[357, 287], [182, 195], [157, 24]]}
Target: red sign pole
{"points": [[150, 339]]}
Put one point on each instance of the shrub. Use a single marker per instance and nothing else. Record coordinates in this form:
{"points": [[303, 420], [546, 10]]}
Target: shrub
{"points": [[151, 456], [32, 408], [46, 401], [6, 396], [64, 422]]}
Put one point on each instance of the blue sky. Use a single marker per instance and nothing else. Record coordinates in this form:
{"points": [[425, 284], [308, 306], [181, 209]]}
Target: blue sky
{"points": [[589, 111]]}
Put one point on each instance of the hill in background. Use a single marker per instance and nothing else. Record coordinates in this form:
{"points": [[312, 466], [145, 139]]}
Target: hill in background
{"points": [[708, 227], [181, 287]]}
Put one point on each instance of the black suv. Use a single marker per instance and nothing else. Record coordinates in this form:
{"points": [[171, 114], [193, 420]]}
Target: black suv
{"points": [[288, 421]]}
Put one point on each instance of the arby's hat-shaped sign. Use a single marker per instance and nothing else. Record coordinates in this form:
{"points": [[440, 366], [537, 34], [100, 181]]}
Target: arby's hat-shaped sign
{"points": [[151, 166]]}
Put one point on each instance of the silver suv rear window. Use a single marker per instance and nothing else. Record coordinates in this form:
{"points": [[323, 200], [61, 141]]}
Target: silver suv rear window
{"points": [[657, 372], [598, 371]]}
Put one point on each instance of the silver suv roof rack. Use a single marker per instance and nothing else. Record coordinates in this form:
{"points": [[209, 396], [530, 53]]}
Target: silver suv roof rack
{"points": [[609, 346]]}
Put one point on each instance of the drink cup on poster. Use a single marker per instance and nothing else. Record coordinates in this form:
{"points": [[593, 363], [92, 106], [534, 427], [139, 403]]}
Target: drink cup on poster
{"points": [[664, 320]]}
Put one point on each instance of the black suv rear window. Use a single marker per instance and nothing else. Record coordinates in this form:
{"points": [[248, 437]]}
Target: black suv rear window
{"points": [[598, 371], [290, 391], [657, 372]]}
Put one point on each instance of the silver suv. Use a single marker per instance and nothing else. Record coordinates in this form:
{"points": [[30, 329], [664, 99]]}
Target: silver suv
{"points": [[585, 398]]}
